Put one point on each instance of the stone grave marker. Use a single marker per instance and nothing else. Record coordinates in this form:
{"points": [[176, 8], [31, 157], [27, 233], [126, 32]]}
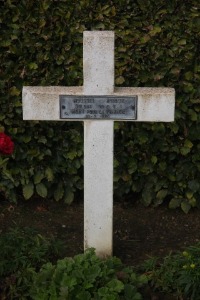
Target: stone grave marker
{"points": [[98, 103]]}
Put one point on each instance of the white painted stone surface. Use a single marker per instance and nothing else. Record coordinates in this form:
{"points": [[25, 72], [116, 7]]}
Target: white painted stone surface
{"points": [[154, 104], [98, 186], [98, 66], [42, 103], [98, 62]]}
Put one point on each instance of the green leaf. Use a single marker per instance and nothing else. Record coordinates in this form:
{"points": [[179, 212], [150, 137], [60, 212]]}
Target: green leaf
{"points": [[59, 192], [45, 5], [120, 80], [194, 185], [175, 202], [188, 75], [103, 292], [33, 66], [143, 279], [147, 197], [162, 194], [83, 295], [182, 42], [122, 49], [71, 155], [172, 177], [189, 195], [7, 174], [185, 150], [132, 166], [3, 161], [142, 4], [99, 26], [131, 293], [41, 190], [26, 139], [145, 39], [5, 43], [38, 177], [193, 115], [188, 144], [193, 202], [185, 206], [49, 174], [42, 140], [28, 190], [14, 91], [154, 159], [69, 197], [115, 285], [155, 30]]}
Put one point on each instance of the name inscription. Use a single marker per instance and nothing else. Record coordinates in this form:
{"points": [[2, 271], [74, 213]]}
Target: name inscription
{"points": [[98, 107]]}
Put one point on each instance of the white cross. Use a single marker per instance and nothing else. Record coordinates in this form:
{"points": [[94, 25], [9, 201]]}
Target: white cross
{"points": [[154, 104]]}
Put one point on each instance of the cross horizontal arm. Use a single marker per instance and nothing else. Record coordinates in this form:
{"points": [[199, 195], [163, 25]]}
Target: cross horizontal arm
{"points": [[154, 104]]}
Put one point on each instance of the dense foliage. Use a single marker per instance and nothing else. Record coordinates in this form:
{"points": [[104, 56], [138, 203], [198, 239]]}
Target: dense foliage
{"points": [[87, 277], [177, 274], [157, 44], [30, 269], [22, 253]]}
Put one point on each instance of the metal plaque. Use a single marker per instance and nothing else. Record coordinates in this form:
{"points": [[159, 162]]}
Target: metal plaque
{"points": [[98, 107]]}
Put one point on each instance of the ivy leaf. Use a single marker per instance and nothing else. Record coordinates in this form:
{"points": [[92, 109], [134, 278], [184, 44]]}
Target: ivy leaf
{"points": [[132, 166], [175, 202], [49, 174], [59, 192], [147, 196], [14, 91], [100, 26], [6, 43], [162, 194], [185, 150], [182, 42], [42, 140], [194, 185], [189, 195], [155, 30], [188, 75], [69, 197], [33, 66], [26, 139], [145, 39], [154, 159], [71, 155], [120, 80], [41, 190], [185, 206], [28, 190], [38, 177], [188, 144]]}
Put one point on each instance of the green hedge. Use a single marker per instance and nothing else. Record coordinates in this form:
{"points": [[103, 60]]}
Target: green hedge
{"points": [[157, 44]]}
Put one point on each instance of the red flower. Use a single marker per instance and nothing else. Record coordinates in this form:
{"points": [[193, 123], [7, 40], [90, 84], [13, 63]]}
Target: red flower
{"points": [[6, 144]]}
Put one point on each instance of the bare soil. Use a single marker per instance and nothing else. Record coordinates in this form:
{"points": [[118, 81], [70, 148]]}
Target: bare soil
{"points": [[138, 232]]}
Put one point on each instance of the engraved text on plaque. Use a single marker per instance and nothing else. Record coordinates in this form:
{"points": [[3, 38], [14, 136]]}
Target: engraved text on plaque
{"points": [[98, 107]]}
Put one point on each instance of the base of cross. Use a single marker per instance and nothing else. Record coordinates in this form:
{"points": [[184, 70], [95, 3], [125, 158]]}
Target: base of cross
{"points": [[153, 105]]}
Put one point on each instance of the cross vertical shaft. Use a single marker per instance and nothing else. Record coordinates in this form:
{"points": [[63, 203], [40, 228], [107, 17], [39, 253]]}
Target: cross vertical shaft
{"points": [[98, 70]]}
